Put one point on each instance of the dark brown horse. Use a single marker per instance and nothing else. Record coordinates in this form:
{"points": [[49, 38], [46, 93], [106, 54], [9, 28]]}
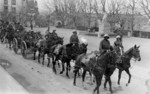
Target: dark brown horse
{"points": [[95, 64], [70, 52], [124, 62]]}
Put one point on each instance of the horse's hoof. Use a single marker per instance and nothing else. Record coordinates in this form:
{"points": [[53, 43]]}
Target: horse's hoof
{"points": [[54, 71], [47, 65], [74, 84], [111, 91], [67, 76], [85, 88], [61, 72], [127, 84], [93, 92], [105, 88]]}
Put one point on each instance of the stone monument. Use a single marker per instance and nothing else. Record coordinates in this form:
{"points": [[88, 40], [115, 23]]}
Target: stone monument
{"points": [[104, 26]]}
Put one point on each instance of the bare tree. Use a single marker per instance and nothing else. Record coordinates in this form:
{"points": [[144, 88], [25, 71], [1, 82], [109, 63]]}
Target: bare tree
{"points": [[73, 11], [61, 9], [132, 5], [87, 10], [100, 8], [145, 5], [47, 4]]}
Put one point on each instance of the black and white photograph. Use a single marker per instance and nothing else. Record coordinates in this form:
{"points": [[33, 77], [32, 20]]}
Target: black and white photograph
{"points": [[74, 46]]}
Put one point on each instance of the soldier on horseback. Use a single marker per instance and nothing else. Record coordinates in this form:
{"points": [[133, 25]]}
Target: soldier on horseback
{"points": [[105, 45], [118, 45], [119, 48], [54, 33], [74, 40]]}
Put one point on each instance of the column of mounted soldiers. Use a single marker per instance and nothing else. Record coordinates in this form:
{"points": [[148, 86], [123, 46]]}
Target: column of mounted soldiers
{"points": [[76, 50]]}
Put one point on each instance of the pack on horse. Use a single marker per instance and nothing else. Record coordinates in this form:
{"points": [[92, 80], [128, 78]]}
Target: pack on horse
{"points": [[123, 64], [97, 65]]}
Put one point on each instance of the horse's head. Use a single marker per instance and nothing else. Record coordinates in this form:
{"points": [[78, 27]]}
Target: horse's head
{"points": [[83, 48], [136, 53], [60, 40]]}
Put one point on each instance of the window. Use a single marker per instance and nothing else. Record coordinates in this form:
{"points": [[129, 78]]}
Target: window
{"points": [[14, 9], [6, 8], [13, 2], [6, 2]]}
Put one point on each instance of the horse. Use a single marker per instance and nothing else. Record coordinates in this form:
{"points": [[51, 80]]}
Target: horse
{"points": [[95, 64], [70, 52], [124, 61], [44, 48], [56, 55]]}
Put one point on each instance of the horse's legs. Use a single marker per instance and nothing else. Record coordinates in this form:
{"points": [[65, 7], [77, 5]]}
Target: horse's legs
{"points": [[105, 83], [83, 77], [91, 80], [9, 43], [78, 72], [110, 84], [98, 83], [54, 63], [34, 53], [43, 58], [75, 74], [128, 72], [39, 56], [48, 58], [63, 67], [119, 76], [68, 68], [57, 59]]}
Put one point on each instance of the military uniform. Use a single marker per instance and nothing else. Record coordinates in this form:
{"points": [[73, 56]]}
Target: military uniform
{"points": [[119, 48], [118, 45], [74, 39], [104, 46]]}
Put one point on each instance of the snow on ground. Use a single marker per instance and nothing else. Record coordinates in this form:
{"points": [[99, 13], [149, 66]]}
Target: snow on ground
{"points": [[40, 79]]}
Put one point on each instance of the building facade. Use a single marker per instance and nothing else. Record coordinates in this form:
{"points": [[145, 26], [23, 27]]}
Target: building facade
{"points": [[17, 10]]}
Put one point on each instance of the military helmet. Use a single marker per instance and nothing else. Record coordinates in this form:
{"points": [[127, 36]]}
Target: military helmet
{"points": [[118, 37], [83, 41], [106, 36]]}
